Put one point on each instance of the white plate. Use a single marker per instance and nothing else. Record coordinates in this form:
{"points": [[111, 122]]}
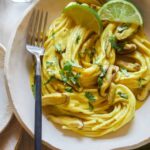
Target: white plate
{"points": [[5, 109], [18, 63]]}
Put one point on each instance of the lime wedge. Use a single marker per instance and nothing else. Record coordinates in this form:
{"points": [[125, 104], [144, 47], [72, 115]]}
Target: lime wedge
{"points": [[120, 11], [83, 15]]}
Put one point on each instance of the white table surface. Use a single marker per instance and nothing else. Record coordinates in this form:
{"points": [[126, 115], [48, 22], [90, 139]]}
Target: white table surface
{"points": [[10, 12]]}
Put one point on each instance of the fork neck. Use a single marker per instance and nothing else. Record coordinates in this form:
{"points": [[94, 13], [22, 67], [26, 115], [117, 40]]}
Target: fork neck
{"points": [[38, 65]]}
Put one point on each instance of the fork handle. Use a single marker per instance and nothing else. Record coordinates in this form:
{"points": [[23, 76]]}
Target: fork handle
{"points": [[38, 113], [38, 108]]}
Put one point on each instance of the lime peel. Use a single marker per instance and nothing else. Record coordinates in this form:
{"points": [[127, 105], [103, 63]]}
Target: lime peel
{"points": [[120, 11], [83, 15]]}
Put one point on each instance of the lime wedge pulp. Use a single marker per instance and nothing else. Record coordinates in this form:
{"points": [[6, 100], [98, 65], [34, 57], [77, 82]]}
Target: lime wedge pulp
{"points": [[83, 15], [120, 11]]}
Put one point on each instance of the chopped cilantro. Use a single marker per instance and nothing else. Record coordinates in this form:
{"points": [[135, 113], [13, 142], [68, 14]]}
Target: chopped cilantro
{"points": [[90, 97], [100, 82], [74, 79], [124, 71], [75, 64], [67, 75], [78, 39], [69, 89], [49, 80], [58, 48], [140, 82], [118, 46], [33, 89], [53, 35], [123, 95], [102, 75], [91, 107], [67, 66], [97, 60], [49, 63], [63, 76], [114, 44], [103, 71]]}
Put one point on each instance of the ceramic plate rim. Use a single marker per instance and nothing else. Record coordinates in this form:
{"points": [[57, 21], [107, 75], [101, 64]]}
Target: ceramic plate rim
{"points": [[9, 117]]}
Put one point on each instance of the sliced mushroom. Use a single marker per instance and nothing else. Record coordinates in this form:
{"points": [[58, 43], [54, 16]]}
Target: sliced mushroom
{"points": [[126, 33], [111, 94], [143, 93], [132, 67], [112, 71], [128, 48], [71, 122], [54, 99]]}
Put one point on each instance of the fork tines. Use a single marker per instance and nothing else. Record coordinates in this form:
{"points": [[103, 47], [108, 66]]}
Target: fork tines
{"points": [[37, 28]]}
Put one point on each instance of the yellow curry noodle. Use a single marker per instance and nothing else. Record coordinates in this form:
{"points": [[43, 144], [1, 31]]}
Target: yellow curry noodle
{"points": [[93, 82]]}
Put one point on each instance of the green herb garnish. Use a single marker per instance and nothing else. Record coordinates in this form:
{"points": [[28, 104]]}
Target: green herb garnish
{"points": [[74, 79], [90, 97], [67, 66], [74, 64], [97, 62], [53, 35], [49, 80], [58, 48], [49, 63], [63, 76], [69, 89], [91, 107], [102, 75], [103, 71], [140, 82], [67, 75], [33, 89], [78, 39], [100, 81], [123, 95], [114, 44], [124, 71], [118, 46]]}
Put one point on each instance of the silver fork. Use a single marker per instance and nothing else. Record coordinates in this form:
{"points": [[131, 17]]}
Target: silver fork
{"points": [[35, 41]]}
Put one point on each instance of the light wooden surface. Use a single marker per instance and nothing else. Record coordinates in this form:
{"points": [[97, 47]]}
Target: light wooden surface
{"points": [[11, 135], [15, 138], [10, 13], [27, 143]]}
